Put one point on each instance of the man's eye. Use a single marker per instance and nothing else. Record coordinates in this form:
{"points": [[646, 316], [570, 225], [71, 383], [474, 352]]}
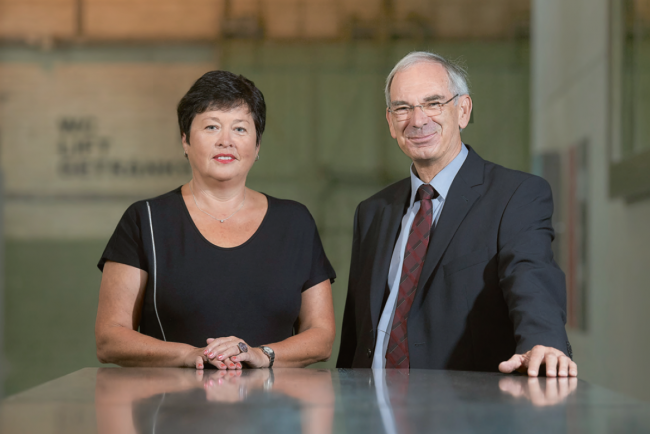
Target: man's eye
{"points": [[401, 109], [432, 105]]}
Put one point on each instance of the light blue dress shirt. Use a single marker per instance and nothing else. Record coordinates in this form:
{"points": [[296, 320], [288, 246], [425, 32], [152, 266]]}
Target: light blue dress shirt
{"points": [[441, 182]]}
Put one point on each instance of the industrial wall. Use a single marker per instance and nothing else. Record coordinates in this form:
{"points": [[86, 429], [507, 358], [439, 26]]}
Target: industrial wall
{"points": [[576, 103], [88, 91]]}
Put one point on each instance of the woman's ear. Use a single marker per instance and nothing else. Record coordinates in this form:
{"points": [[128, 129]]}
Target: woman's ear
{"points": [[185, 143]]}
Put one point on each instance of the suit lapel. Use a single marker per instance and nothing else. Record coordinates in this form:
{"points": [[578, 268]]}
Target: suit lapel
{"points": [[459, 201], [389, 224]]}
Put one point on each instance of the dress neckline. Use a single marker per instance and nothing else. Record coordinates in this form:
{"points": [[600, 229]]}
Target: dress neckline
{"points": [[250, 239]]}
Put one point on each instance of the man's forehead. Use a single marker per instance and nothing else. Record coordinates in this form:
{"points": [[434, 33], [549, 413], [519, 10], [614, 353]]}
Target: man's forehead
{"points": [[422, 80]]}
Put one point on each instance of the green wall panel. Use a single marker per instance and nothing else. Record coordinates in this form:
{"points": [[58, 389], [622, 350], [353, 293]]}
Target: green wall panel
{"points": [[51, 297]]}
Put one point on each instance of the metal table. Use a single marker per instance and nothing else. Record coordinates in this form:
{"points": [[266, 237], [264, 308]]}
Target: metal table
{"points": [[170, 400]]}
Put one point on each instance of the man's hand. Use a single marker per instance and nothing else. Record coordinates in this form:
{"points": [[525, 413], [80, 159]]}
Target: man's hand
{"points": [[557, 363]]}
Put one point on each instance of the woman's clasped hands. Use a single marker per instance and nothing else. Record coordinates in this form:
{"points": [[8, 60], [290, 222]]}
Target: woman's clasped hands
{"points": [[229, 353]]}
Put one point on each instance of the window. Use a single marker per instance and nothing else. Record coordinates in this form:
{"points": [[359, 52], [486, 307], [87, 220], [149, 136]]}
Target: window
{"points": [[630, 168]]}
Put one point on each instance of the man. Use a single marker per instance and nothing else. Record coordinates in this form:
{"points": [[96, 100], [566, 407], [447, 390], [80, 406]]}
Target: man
{"points": [[452, 268]]}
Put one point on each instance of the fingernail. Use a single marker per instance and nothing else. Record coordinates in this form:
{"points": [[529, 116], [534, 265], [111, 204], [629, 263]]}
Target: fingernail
{"points": [[563, 373], [232, 365], [238, 365], [211, 383], [532, 372], [201, 366], [220, 356], [205, 352], [211, 355], [233, 358], [574, 373]]}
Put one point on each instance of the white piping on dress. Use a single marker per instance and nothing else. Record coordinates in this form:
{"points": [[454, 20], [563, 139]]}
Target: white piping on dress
{"points": [[153, 244]]}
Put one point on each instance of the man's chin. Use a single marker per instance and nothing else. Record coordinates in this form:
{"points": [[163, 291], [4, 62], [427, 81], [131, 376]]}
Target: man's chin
{"points": [[424, 153]]}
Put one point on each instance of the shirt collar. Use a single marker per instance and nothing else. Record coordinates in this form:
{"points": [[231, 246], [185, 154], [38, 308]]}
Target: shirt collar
{"points": [[442, 181]]}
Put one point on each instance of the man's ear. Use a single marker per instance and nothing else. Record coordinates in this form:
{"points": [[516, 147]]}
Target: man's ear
{"points": [[465, 111], [390, 124]]}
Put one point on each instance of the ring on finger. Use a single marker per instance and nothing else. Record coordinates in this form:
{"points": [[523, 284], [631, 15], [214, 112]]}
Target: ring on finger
{"points": [[243, 348]]}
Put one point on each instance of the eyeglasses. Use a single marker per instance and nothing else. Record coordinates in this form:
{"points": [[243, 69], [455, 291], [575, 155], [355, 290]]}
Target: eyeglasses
{"points": [[404, 112]]}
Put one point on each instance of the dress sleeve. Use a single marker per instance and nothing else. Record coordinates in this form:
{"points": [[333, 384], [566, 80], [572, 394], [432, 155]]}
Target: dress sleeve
{"points": [[125, 245], [321, 269]]}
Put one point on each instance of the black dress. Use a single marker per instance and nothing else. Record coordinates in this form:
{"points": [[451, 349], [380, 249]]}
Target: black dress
{"points": [[197, 290]]}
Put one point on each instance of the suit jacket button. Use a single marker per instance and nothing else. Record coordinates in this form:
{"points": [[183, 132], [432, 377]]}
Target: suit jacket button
{"points": [[369, 353]]}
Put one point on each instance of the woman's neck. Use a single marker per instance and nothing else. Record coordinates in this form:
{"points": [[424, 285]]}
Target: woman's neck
{"points": [[218, 193]]}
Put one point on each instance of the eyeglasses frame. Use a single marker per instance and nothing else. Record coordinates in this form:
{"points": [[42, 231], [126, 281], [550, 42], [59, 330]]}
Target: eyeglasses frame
{"points": [[413, 107]]}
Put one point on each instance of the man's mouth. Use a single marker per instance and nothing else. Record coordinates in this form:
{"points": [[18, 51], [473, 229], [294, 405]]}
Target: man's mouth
{"points": [[421, 138]]}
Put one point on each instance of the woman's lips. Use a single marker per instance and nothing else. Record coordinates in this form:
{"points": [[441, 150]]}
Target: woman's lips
{"points": [[225, 158]]}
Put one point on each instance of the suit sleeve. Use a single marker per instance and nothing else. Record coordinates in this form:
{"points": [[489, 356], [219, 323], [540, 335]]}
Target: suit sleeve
{"points": [[533, 285], [348, 330]]}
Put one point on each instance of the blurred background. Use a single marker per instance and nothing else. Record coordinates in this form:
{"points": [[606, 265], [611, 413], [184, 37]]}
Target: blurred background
{"points": [[88, 90]]}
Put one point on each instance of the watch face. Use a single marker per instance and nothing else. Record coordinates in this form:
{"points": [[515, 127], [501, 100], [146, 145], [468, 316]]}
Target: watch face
{"points": [[270, 354]]}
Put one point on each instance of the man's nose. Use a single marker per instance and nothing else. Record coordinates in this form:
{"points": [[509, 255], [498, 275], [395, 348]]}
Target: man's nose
{"points": [[419, 117]]}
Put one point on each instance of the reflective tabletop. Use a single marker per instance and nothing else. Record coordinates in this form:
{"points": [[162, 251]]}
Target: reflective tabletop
{"points": [[169, 400]]}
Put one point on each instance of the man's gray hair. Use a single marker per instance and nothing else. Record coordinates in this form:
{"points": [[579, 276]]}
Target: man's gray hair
{"points": [[456, 73]]}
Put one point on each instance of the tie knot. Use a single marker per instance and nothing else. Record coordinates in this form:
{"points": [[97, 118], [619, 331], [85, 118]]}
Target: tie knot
{"points": [[426, 192]]}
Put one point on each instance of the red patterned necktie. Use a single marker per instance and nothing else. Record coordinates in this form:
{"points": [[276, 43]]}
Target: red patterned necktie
{"points": [[397, 353]]}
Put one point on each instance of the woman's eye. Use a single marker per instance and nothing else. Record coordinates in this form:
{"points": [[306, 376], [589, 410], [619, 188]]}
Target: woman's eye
{"points": [[211, 127], [240, 130]]}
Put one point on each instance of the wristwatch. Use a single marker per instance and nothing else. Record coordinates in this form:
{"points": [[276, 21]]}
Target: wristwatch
{"points": [[269, 353]]}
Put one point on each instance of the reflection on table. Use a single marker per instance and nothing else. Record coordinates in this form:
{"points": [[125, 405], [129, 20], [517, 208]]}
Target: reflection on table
{"points": [[175, 400], [166, 400], [469, 402]]}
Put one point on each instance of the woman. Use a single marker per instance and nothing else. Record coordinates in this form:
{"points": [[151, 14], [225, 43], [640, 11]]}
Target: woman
{"points": [[214, 273]]}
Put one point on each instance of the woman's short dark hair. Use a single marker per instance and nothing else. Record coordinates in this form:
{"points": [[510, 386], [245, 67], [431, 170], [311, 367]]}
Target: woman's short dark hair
{"points": [[221, 90]]}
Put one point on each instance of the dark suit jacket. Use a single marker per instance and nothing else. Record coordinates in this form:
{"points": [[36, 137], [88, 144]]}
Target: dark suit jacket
{"points": [[489, 287]]}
